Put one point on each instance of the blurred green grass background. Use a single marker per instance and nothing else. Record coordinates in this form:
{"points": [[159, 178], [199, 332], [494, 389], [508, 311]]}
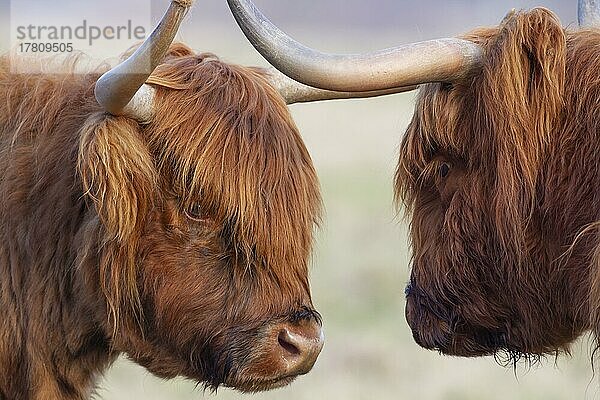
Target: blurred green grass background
{"points": [[361, 258]]}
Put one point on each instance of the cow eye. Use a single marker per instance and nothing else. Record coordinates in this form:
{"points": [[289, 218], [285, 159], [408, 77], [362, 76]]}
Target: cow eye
{"points": [[195, 212], [444, 170]]}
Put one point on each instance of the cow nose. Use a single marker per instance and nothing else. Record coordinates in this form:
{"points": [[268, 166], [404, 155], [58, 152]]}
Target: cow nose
{"points": [[410, 312], [300, 344]]}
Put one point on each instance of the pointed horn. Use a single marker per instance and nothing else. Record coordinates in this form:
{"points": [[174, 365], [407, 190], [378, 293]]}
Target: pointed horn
{"points": [[588, 13], [296, 92], [121, 91], [442, 60]]}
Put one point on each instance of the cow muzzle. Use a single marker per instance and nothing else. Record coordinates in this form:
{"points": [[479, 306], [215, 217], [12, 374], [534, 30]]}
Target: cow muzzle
{"points": [[299, 346], [440, 328], [428, 331], [286, 350]]}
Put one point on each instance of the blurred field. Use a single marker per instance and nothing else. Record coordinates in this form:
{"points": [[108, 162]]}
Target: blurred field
{"points": [[360, 263]]}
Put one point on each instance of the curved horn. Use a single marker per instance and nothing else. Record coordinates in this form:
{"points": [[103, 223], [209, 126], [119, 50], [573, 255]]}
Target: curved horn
{"points": [[439, 60], [588, 13], [296, 92], [121, 91]]}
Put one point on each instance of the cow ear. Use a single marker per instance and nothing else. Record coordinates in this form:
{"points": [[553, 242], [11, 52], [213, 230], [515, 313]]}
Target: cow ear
{"points": [[119, 176], [117, 173], [519, 100], [524, 72]]}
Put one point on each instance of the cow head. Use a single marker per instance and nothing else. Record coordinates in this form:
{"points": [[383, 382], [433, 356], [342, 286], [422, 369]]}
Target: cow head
{"points": [[205, 213], [486, 272], [494, 219]]}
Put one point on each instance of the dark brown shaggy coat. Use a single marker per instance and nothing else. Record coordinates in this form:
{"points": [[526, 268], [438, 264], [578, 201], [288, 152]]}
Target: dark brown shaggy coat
{"points": [[501, 176]]}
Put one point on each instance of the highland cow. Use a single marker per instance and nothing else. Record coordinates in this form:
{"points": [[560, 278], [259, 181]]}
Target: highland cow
{"points": [[175, 230], [499, 172]]}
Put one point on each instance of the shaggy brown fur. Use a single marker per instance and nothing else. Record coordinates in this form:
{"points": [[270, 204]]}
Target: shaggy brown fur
{"points": [[501, 175], [181, 243]]}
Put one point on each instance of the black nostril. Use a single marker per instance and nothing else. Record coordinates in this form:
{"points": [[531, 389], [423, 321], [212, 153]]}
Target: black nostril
{"points": [[285, 341], [408, 289], [298, 346]]}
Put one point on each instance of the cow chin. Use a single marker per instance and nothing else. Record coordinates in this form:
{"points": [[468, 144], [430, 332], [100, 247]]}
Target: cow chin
{"points": [[259, 384], [451, 337]]}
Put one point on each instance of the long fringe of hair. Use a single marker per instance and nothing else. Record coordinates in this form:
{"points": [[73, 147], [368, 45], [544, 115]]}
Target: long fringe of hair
{"points": [[222, 138], [500, 121]]}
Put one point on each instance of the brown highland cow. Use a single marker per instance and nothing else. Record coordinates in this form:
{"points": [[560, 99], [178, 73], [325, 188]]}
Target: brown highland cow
{"points": [[176, 231], [499, 171]]}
